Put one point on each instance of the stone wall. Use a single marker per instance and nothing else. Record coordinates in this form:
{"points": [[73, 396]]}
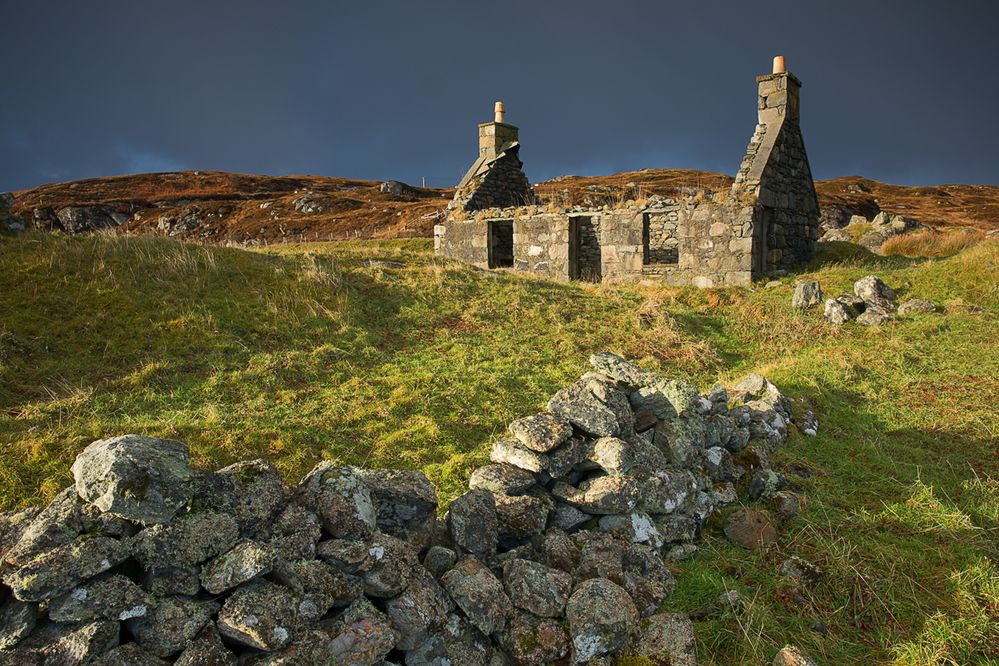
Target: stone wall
{"points": [[501, 183], [662, 246], [555, 554]]}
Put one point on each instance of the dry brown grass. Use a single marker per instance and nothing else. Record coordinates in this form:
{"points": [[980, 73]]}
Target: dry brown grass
{"points": [[933, 244]]}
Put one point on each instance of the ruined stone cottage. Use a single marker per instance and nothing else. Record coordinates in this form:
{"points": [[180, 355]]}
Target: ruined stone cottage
{"points": [[768, 223]]}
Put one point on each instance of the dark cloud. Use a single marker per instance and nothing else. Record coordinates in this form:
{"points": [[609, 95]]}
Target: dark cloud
{"points": [[899, 91]]}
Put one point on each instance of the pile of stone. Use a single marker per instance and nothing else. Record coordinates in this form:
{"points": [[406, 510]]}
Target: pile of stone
{"points": [[555, 554], [870, 233], [872, 303]]}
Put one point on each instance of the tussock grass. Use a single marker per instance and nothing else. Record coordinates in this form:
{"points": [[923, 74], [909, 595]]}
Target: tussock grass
{"points": [[932, 243], [304, 352]]}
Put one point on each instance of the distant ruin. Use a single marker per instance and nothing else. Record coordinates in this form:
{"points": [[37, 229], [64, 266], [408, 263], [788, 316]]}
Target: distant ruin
{"points": [[767, 224]]}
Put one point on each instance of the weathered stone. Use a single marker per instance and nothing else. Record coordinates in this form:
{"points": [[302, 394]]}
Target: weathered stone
{"points": [[874, 315], [130, 654], [67, 644], [534, 641], [536, 588], [511, 452], [601, 556], [406, 501], [169, 580], [836, 312], [419, 612], [460, 644], [17, 619], [667, 638], [388, 566], [541, 432], [786, 505], [578, 405], [668, 490], [602, 619], [241, 564], [876, 292], [636, 527], [680, 439], [801, 571], [320, 586], [601, 495], [559, 551], [295, 533], [362, 636], [56, 525], [188, 540], [439, 559], [144, 479], [764, 484], [750, 529], [257, 494], [206, 649], [806, 294], [616, 456], [646, 578], [479, 595], [112, 598], [166, 629], [917, 306], [262, 615], [521, 517], [502, 479], [567, 517], [59, 570], [473, 524], [792, 656], [341, 499]]}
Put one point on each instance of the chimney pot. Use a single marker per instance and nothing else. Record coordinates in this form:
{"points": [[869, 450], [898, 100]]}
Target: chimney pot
{"points": [[499, 110], [779, 67]]}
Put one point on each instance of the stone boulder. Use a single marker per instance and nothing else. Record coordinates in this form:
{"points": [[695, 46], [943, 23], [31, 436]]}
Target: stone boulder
{"points": [[792, 656], [145, 479], [750, 529], [806, 294], [263, 616], [406, 501], [473, 524], [17, 620], [167, 628], [875, 292], [341, 499], [536, 588], [917, 306], [479, 595], [836, 312], [113, 598], [602, 619], [502, 479], [61, 569], [667, 638]]}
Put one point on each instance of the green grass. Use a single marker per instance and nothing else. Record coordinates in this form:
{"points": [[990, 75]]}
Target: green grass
{"points": [[303, 352]]}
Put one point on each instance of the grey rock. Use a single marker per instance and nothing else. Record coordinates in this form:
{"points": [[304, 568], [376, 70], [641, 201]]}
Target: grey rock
{"points": [[836, 312], [320, 586], [668, 490], [559, 550], [601, 556], [460, 644], [362, 636], [521, 517], [56, 525], [801, 571], [617, 456], [439, 559], [917, 306], [636, 527], [567, 517], [806, 294], [792, 656], [873, 290], [668, 638], [786, 504], [295, 533], [244, 562], [534, 640], [257, 494], [502, 479], [174, 621], [601, 495], [67, 644], [169, 580], [646, 579], [541, 432], [341, 499], [206, 649], [479, 594], [188, 540], [577, 404], [113, 598], [536, 588], [719, 465], [764, 484], [13, 525], [145, 479], [680, 439], [406, 501], [473, 523], [419, 611], [602, 619], [130, 654], [511, 452], [17, 619], [393, 561], [59, 570], [262, 615], [874, 315]]}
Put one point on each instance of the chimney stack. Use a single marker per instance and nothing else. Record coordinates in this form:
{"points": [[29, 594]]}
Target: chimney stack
{"points": [[494, 137], [778, 95]]}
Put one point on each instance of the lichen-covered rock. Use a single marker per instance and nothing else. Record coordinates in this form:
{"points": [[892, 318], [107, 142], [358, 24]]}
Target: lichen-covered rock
{"points": [[874, 315], [13, 524], [786, 505], [59, 570], [341, 499], [616, 456], [567, 517], [577, 404], [145, 479], [874, 291], [836, 312], [17, 619], [806, 294], [257, 494], [383, 563], [534, 640], [362, 636], [294, 533], [261, 615], [680, 439], [460, 644], [113, 598], [130, 654], [917, 306], [764, 484], [750, 529], [320, 586], [646, 578], [406, 501], [439, 559], [502, 479], [188, 540], [600, 556], [541, 432], [666, 491], [170, 580], [636, 527], [719, 465], [419, 611], [792, 656], [206, 649], [56, 525], [66, 644], [667, 638], [166, 629], [601, 495], [536, 588], [473, 524], [801, 571], [602, 619], [479, 594], [512, 452], [240, 564], [521, 517]]}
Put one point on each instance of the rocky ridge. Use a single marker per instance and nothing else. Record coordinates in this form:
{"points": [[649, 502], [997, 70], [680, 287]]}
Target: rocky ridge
{"points": [[556, 554]]}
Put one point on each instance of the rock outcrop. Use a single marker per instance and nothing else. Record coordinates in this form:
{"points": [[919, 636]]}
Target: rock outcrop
{"points": [[555, 554]]}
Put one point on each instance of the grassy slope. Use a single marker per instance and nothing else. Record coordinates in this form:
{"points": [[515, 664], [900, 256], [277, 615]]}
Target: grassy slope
{"points": [[303, 352]]}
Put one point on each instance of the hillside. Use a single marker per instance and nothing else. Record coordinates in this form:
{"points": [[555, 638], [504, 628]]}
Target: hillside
{"points": [[245, 209], [379, 353]]}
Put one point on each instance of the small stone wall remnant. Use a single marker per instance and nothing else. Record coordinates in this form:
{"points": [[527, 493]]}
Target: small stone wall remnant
{"points": [[555, 554]]}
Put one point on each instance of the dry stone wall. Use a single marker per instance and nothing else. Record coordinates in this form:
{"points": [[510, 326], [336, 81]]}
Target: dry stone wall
{"points": [[556, 554]]}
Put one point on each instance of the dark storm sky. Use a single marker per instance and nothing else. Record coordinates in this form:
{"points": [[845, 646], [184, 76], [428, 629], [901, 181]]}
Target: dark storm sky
{"points": [[906, 92]]}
